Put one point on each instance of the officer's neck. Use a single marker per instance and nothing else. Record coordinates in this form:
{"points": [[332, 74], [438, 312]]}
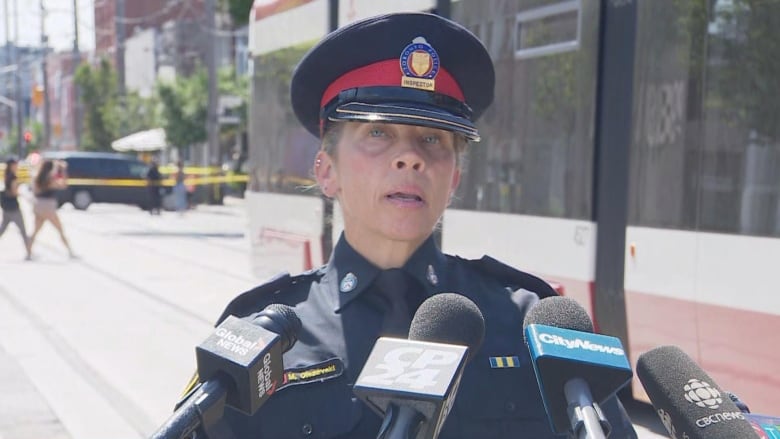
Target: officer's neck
{"points": [[384, 253]]}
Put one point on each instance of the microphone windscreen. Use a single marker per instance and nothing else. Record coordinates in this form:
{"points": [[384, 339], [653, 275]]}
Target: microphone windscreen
{"points": [[280, 319], [560, 312], [687, 400], [449, 318]]}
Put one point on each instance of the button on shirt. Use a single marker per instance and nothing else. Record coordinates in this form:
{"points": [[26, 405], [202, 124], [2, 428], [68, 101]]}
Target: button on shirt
{"points": [[346, 305]]}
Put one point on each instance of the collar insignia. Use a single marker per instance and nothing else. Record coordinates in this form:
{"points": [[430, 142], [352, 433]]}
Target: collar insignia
{"points": [[420, 65], [430, 274], [348, 283]]}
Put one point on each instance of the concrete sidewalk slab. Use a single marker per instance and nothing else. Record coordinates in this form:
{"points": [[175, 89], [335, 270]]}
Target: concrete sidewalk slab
{"points": [[24, 413]]}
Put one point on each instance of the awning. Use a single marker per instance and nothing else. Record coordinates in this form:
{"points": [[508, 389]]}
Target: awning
{"points": [[149, 140]]}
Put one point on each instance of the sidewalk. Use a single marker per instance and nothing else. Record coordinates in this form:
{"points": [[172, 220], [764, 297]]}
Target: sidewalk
{"points": [[23, 412]]}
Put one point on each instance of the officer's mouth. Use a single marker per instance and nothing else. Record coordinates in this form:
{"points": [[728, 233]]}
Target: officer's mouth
{"points": [[405, 199]]}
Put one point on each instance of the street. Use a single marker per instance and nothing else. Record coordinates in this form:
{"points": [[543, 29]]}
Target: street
{"points": [[101, 346]]}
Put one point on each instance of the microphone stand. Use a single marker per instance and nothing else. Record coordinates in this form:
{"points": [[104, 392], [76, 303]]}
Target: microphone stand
{"points": [[401, 422], [587, 420]]}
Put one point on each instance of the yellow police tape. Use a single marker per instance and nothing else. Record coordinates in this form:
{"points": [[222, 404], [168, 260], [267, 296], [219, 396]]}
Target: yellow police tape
{"points": [[195, 176]]}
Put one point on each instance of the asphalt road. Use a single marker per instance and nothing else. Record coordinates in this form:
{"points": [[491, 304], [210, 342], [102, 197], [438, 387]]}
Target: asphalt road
{"points": [[101, 346]]}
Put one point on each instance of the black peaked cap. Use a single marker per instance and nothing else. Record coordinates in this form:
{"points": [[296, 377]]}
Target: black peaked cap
{"points": [[384, 38]]}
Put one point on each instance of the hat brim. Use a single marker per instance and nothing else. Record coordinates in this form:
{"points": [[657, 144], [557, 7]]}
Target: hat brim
{"points": [[401, 113]]}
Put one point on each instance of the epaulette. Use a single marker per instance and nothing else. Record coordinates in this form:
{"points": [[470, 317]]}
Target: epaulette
{"points": [[514, 278], [260, 296]]}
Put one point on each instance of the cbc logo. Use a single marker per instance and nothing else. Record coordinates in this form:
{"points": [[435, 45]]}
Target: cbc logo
{"points": [[702, 394]]}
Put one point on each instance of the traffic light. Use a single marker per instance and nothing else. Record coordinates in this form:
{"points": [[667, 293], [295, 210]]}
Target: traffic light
{"points": [[27, 137]]}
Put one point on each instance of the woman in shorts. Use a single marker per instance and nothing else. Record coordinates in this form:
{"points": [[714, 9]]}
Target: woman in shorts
{"points": [[49, 180]]}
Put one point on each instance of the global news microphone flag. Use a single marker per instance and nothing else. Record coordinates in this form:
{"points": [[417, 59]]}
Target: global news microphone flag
{"points": [[239, 365], [560, 355]]}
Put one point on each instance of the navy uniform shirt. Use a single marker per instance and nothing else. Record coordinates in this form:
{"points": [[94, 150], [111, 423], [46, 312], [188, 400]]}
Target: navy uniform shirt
{"points": [[342, 319]]}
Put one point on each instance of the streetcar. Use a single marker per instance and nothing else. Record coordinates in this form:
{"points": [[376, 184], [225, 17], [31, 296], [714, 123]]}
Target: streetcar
{"points": [[631, 156]]}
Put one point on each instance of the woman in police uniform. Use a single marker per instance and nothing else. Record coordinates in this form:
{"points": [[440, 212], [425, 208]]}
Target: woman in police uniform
{"points": [[394, 99]]}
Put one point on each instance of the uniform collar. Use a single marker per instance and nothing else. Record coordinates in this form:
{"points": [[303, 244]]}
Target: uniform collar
{"points": [[350, 274]]}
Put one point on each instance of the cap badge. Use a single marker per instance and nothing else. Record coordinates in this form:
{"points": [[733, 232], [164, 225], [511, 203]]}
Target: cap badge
{"points": [[348, 283], [419, 64]]}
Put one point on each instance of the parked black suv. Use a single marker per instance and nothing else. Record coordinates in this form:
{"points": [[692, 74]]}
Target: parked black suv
{"points": [[98, 177]]}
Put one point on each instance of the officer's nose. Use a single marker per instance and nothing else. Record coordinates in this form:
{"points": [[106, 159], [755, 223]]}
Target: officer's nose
{"points": [[408, 157]]}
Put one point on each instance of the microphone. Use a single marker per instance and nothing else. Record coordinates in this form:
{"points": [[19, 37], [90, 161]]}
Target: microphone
{"points": [[240, 364], [575, 368], [687, 400], [412, 383]]}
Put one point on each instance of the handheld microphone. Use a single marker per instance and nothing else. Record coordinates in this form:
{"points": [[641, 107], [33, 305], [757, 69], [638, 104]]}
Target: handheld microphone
{"points": [[240, 364], [575, 368], [687, 400], [412, 383]]}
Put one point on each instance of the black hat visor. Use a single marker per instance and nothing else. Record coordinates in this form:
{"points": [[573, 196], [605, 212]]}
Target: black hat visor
{"points": [[404, 114]]}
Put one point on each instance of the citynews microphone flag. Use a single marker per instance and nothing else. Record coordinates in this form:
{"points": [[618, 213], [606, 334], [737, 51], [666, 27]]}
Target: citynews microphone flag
{"points": [[598, 359]]}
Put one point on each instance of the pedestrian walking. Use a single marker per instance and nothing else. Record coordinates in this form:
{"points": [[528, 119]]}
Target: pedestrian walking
{"points": [[394, 100], [51, 177], [154, 179], [9, 202], [179, 189]]}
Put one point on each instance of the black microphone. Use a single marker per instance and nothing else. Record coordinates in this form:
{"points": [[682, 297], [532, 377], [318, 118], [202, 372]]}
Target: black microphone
{"points": [[575, 368], [687, 400], [240, 365], [412, 383]]}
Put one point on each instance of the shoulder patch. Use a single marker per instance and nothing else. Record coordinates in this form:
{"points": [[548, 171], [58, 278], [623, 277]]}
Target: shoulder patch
{"points": [[514, 278]]}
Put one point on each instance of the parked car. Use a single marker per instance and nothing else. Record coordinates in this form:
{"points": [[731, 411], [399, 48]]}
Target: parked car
{"points": [[98, 177]]}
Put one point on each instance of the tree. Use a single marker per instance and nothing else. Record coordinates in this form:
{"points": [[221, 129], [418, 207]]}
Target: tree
{"points": [[238, 9], [99, 94], [184, 109]]}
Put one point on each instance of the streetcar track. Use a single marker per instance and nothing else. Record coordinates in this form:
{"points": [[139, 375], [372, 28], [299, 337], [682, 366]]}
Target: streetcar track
{"points": [[122, 404]]}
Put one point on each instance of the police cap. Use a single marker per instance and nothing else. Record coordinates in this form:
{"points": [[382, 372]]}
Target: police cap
{"points": [[407, 68]]}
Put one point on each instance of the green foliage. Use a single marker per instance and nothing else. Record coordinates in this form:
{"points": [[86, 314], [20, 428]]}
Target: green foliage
{"points": [[749, 41], [99, 96], [138, 114], [184, 109], [108, 117], [184, 105], [234, 85], [238, 9]]}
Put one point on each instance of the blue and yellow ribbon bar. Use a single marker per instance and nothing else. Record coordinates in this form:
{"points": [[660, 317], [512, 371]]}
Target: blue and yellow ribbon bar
{"points": [[504, 362]]}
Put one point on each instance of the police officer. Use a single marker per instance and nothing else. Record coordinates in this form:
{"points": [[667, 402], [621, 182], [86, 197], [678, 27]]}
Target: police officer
{"points": [[394, 99]]}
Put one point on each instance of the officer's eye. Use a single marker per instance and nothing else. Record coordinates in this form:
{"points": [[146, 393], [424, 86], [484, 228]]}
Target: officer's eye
{"points": [[377, 132], [431, 139]]}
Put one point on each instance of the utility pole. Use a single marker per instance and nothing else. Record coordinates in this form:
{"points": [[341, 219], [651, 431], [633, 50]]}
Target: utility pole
{"points": [[76, 91], [9, 110], [18, 82], [46, 109], [212, 151], [120, 58]]}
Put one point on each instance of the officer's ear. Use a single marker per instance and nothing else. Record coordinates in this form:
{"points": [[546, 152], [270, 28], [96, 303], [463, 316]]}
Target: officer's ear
{"points": [[325, 173], [454, 184]]}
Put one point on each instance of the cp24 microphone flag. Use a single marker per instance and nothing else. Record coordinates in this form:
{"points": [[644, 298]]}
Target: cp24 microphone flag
{"points": [[412, 383]]}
